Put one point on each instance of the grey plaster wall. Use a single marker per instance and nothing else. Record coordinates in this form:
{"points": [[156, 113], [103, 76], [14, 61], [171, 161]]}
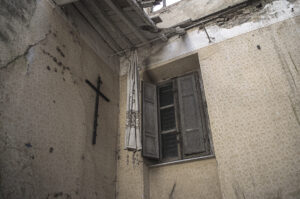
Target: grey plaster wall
{"points": [[47, 109]]}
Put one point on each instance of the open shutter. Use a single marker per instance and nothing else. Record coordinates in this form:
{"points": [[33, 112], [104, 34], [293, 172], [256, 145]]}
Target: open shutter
{"points": [[150, 125], [190, 117]]}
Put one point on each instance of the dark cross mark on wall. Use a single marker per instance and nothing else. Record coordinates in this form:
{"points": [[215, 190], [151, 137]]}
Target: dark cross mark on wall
{"points": [[98, 93]]}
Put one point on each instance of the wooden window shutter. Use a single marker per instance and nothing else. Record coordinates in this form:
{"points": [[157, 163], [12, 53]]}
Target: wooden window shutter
{"points": [[150, 124], [193, 135]]}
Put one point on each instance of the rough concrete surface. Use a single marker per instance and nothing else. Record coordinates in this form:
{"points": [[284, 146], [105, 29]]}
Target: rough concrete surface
{"points": [[252, 88], [131, 171], [190, 180], [47, 110]]}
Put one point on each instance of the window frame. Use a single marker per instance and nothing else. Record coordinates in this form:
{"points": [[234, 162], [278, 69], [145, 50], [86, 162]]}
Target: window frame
{"points": [[201, 95]]}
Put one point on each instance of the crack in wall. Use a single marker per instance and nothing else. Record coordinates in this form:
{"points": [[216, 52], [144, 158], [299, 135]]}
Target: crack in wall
{"points": [[293, 62], [172, 191], [25, 53], [294, 110]]}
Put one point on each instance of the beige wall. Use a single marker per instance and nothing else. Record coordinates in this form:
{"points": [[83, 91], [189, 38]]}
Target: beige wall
{"points": [[253, 101], [252, 84], [189, 180], [136, 180], [131, 171], [47, 109]]}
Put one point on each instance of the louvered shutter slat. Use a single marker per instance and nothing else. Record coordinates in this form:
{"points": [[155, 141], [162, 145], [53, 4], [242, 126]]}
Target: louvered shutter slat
{"points": [[150, 124], [192, 127]]}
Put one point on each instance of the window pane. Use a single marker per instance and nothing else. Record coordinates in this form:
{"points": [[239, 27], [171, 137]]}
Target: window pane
{"points": [[167, 119], [166, 95], [158, 7], [169, 145], [170, 2]]}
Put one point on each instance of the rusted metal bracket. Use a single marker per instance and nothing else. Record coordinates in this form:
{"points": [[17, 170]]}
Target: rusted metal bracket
{"points": [[208, 37], [98, 93]]}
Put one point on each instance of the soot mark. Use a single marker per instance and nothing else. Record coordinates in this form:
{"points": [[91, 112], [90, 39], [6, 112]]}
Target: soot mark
{"points": [[59, 63], [58, 194], [258, 47], [28, 145], [4, 37], [60, 51]]}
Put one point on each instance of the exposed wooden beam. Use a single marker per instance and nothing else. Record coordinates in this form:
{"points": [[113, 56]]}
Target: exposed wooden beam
{"points": [[98, 13], [64, 2], [98, 27], [125, 19], [156, 19], [147, 4], [142, 14]]}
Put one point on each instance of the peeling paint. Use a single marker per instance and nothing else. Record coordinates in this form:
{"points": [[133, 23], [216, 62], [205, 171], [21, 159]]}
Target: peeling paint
{"points": [[195, 39]]}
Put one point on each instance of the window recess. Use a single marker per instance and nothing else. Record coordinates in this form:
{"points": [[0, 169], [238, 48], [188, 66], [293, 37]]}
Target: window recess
{"points": [[168, 125], [178, 124]]}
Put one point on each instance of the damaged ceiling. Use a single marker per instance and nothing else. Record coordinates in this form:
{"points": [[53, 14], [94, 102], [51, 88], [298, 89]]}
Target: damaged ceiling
{"points": [[122, 24]]}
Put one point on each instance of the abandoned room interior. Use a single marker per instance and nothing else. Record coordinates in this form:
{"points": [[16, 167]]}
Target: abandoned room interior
{"points": [[149, 99]]}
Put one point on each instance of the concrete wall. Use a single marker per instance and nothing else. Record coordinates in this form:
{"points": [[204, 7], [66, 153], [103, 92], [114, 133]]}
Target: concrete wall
{"points": [[251, 80], [47, 110], [131, 171], [198, 179]]}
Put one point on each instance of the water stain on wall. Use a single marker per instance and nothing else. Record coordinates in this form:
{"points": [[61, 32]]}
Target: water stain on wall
{"points": [[15, 13]]}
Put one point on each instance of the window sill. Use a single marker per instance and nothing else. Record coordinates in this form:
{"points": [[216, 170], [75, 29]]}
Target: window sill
{"points": [[182, 161]]}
